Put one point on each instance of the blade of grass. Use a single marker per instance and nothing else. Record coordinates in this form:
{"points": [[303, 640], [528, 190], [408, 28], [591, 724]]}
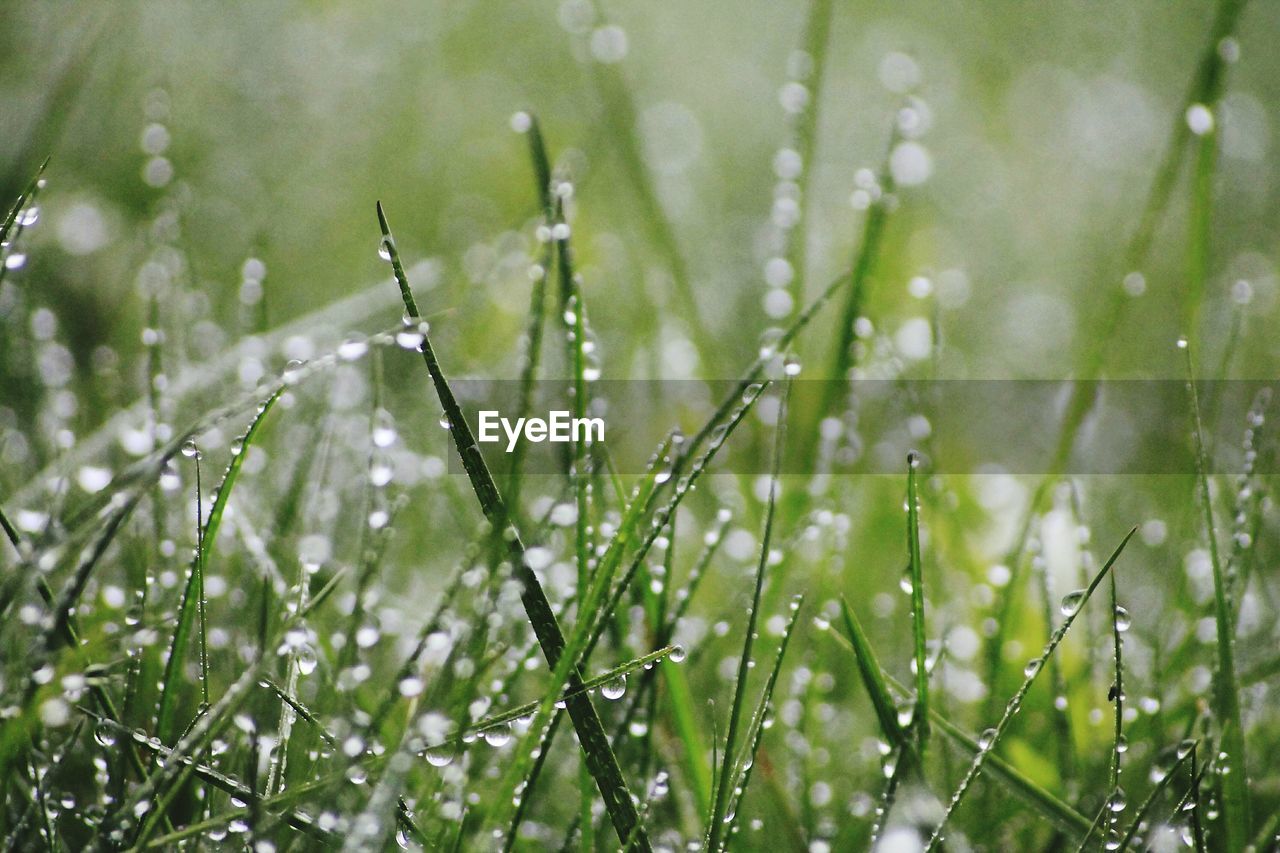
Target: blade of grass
{"points": [[620, 671], [1117, 695], [14, 222], [718, 819], [595, 744], [873, 678], [920, 717], [1226, 695], [756, 730], [588, 632], [1107, 816], [187, 610], [991, 738]]}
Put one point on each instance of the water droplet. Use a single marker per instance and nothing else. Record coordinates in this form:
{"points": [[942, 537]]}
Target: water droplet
{"points": [[987, 738], [440, 756], [306, 658], [1184, 748], [352, 348], [521, 122], [677, 655], [190, 450], [1117, 801], [1032, 667], [1071, 602], [614, 689], [1123, 620], [104, 734], [410, 339], [497, 736], [385, 247]]}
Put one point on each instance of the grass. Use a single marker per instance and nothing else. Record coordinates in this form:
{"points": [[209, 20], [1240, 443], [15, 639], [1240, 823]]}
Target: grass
{"points": [[373, 632]]}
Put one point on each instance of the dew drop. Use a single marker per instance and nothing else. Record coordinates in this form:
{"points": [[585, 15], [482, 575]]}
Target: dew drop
{"points": [[104, 735], [614, 689], [1071, 602], [497, 736], [440, 756]]}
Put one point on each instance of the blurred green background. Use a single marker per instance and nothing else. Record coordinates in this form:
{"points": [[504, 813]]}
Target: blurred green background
{"points": [[281, 124]]}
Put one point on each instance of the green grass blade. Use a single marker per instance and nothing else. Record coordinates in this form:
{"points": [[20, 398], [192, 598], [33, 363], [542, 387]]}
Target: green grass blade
{"points": [[13, 226], [1117, 695], [873, 678], [595, 744], [588, 685], [1033, 794], [755, 732], [187, 610], [1226, 692], [992, 737], [10, 532], [716, 825], [920, 718]]}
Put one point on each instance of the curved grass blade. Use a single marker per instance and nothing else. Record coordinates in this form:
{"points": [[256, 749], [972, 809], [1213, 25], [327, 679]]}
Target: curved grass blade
{"points": [[991, 738], [214, 777], [165, 722]]}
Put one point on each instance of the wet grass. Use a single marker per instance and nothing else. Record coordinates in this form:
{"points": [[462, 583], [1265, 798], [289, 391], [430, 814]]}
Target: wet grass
{"points": [[348, 643]]}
